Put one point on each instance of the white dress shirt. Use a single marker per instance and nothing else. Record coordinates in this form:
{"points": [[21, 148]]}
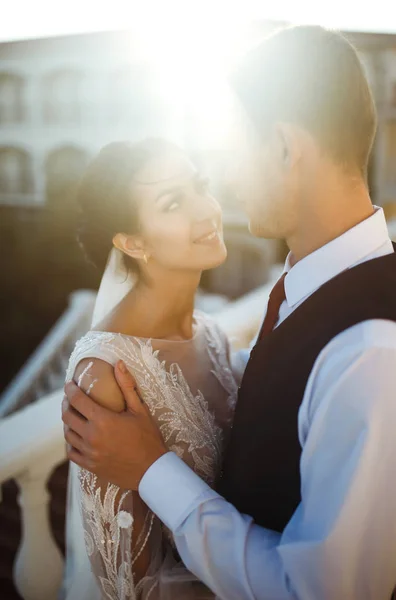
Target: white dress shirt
{"points": [[340, 543]]}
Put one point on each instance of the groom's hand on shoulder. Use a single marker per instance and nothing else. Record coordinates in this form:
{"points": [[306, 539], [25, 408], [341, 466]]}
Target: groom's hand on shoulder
{"points": [[118, 447]]}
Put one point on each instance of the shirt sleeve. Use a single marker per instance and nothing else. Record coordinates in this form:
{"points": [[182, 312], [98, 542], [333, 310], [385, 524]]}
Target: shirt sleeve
{"points": [[341, 541]]}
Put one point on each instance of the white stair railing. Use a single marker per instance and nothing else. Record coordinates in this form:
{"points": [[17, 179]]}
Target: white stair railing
{"points": [[32, 446], [45, 369]]}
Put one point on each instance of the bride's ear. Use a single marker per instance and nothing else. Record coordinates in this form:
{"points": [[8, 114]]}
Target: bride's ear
{"points": [[130, 245]]}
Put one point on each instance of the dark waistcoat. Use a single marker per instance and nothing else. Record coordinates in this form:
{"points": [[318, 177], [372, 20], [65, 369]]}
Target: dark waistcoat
{"points": [[261, 474]]}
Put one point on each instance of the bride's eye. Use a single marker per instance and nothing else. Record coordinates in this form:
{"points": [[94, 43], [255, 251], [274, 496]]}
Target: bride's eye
{"points": [[173, 204]]}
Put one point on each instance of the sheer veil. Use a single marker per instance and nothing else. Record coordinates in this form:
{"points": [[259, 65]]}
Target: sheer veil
{"points": [[79, 583], [116, 283]]}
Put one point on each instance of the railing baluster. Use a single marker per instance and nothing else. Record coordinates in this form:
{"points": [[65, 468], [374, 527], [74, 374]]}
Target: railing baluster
{"points": [[38, 567]]}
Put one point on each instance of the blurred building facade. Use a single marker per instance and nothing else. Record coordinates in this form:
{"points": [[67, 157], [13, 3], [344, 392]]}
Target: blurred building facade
{"points": [[61, 99]]}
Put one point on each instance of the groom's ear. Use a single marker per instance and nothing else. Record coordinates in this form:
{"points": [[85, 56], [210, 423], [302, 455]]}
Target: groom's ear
{"points": [[289, 150], [129, 244]]}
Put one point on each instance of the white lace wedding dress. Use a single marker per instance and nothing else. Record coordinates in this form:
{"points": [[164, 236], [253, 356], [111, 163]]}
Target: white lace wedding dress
{"points": [[190, 390]]}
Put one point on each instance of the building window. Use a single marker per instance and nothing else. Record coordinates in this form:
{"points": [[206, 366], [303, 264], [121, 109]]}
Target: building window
{"points": [[62, 97], [15, 171], [63, 170], [12, 106]]}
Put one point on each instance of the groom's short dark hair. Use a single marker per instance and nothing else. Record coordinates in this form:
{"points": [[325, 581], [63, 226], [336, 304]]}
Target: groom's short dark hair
{"points": [[311, 77]]}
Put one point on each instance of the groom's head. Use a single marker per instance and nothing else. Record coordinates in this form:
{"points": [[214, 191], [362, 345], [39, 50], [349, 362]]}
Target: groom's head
{"points": [[307, 110]]}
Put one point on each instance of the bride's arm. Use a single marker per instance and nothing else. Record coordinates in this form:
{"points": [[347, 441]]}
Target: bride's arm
{"points": [[116, 521]]}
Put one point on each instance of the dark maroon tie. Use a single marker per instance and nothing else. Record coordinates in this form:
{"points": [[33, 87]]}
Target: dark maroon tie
{"points": [[276, 297]]}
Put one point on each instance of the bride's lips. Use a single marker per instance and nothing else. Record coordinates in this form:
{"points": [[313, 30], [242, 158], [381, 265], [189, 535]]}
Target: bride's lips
{"points": [[210, 238]]}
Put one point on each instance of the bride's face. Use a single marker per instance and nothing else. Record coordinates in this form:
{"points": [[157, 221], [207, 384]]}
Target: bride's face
{"points": [[180, 221]]}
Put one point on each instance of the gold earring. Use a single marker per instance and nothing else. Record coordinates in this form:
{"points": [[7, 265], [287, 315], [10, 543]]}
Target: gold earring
{"points": [[145, 258]]}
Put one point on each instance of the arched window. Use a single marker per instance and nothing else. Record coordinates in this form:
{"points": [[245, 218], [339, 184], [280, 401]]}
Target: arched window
{"points": [[62, 97], [15, 171], [12, 102], [63, 169]]}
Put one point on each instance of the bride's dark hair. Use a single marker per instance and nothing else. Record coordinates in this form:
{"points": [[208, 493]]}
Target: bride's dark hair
{"points": [[105, 197]]}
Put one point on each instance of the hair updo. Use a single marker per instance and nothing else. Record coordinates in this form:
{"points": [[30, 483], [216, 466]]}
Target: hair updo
{"points": [[105, 198]]}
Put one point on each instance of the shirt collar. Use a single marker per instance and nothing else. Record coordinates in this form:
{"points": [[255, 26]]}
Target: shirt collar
{"points": [[350, 248]]}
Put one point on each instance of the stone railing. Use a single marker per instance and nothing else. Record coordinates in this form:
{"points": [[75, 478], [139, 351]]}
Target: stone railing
{"points": [[45, 369], [32, 445]]}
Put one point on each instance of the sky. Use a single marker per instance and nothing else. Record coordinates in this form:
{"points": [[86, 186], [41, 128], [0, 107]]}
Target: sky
{"points": [[26, 19]]}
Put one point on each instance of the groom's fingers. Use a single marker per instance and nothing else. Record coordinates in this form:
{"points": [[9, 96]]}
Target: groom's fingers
{"points": [[74, 440], [128, 387], [82, 403], [74, 421], [78, 458]]}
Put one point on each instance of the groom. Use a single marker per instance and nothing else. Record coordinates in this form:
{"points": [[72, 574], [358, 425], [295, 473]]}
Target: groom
{"points": [[307, 499]]}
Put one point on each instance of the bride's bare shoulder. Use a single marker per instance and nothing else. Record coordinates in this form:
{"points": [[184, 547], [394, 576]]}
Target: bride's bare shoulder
{"points": [[96, 377]]}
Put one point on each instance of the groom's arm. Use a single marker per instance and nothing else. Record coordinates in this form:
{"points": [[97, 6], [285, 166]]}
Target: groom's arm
{"points": [[341, 541], [223, 548]]}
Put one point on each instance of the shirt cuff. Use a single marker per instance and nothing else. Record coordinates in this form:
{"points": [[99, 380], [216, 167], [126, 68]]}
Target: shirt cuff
{"points": [[172, 490]]}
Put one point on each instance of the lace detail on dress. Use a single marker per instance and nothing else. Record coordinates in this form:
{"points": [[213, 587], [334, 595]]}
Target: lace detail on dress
{"points": [[189, 429], [104, 532], [219, 353]]}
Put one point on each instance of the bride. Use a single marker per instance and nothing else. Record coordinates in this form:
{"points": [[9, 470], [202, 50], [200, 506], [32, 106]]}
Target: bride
{"points": [[149, 216]]}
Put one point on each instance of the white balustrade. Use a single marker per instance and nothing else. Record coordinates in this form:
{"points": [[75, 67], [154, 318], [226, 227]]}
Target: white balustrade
{"points": [[45, 369], [31, 446], [38, 567]]}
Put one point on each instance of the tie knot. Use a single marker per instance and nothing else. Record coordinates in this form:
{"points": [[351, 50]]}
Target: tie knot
{"points": [[276, 297], [278, 293]]}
